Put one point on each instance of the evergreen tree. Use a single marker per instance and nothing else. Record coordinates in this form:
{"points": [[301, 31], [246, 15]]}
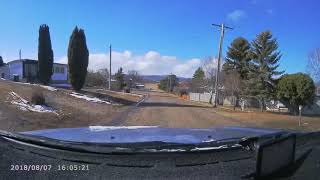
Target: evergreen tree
{"points": [[198, 80], [45, 55], [238, 57], [199, 74], [261, 82], [78, 58], [1, 61], [119, 76]]}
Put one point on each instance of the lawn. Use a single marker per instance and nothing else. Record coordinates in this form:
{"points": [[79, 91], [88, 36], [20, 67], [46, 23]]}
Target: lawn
{"points": [[272, 119]]}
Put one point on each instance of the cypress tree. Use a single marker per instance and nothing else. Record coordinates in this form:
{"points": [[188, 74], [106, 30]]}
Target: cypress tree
{"points": [[1, 61], [45, 55], [78, 58]]}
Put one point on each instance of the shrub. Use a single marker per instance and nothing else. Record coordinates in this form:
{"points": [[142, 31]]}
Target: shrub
{"points": [[37, 98], [294, 90]]}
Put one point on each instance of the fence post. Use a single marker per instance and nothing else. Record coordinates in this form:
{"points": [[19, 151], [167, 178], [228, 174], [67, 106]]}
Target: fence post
{"points": [[300, 109]]}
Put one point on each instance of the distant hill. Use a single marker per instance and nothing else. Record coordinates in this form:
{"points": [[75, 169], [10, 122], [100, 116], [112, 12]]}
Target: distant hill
{"points": [[157, 78]]}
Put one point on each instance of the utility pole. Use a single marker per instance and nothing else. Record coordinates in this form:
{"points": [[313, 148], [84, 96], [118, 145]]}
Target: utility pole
{"points": [[170, 87], [110, 68], [223, 27]]}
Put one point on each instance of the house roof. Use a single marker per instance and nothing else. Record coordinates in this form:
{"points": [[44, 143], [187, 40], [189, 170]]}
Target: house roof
{"points": [[31, 61], [22, 60]]}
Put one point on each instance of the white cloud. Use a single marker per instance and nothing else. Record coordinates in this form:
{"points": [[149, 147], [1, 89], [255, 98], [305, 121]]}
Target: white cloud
{"points": [[236, 15], [150, 63]]}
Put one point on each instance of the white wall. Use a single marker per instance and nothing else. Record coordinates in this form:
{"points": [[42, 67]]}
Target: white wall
{"points": [[16, 68], [201, 97], [58, 76]]}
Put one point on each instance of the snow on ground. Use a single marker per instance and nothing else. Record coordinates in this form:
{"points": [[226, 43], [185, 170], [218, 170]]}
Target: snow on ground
{"points": [[43, 86], [85, 97], [48, 88], [26, 106]]}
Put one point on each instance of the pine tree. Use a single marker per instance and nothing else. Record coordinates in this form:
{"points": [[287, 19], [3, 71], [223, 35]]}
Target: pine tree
{"points": [[198, 74], [238, 57], [45, 55], [78, 58], [198, 80], [261, 82]]}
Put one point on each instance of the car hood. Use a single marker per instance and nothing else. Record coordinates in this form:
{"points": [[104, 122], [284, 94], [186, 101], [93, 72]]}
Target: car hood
{"points": [[138, 134]]}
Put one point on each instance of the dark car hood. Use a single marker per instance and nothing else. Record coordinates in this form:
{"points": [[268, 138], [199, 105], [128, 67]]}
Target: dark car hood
{"points": [[137, 134]]}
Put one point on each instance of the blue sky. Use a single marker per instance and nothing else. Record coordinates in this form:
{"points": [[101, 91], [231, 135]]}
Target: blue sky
{"points": [[160, 35]]}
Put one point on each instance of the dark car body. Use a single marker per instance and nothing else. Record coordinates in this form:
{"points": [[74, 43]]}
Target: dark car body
{"points": [[102, 152]]}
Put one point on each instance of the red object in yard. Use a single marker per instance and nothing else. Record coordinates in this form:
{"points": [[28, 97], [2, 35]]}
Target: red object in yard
{"points": [[186, 97]]}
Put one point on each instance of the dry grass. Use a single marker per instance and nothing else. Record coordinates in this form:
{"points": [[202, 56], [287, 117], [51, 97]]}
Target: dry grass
{"points": [[272, 119], [73, 112]]}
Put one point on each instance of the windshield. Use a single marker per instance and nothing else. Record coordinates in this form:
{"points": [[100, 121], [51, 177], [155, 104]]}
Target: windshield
{"points": [[188, 73]]}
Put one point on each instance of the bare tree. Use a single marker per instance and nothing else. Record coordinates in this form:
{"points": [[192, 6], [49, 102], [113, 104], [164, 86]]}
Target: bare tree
{"points": [[105, 74], [232, 84], [97, 78], [210, 69], [134, 77], [313, 66]]}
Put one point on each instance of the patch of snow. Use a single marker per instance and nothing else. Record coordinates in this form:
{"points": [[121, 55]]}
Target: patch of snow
{"points": [[105, 128], [85, 97], [21, 83], [48, 88], [3, 78], [43, 86], [26, 106]]}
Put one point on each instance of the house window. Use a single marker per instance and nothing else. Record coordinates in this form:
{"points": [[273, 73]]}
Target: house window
{"points": [[59, 70]]}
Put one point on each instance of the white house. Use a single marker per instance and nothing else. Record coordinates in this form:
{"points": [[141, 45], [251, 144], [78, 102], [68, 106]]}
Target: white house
{"points": [[27, 70], [60, 73]]}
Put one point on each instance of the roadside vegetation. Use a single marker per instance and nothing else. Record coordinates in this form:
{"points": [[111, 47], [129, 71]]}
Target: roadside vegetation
{"points": [[251, 74]]}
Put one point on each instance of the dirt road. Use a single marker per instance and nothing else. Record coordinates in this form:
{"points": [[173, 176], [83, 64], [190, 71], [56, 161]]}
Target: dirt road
{"points": [[166, 110]]}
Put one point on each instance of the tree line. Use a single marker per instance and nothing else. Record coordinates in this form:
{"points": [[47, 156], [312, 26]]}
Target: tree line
{"points": [[251, 70]]}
